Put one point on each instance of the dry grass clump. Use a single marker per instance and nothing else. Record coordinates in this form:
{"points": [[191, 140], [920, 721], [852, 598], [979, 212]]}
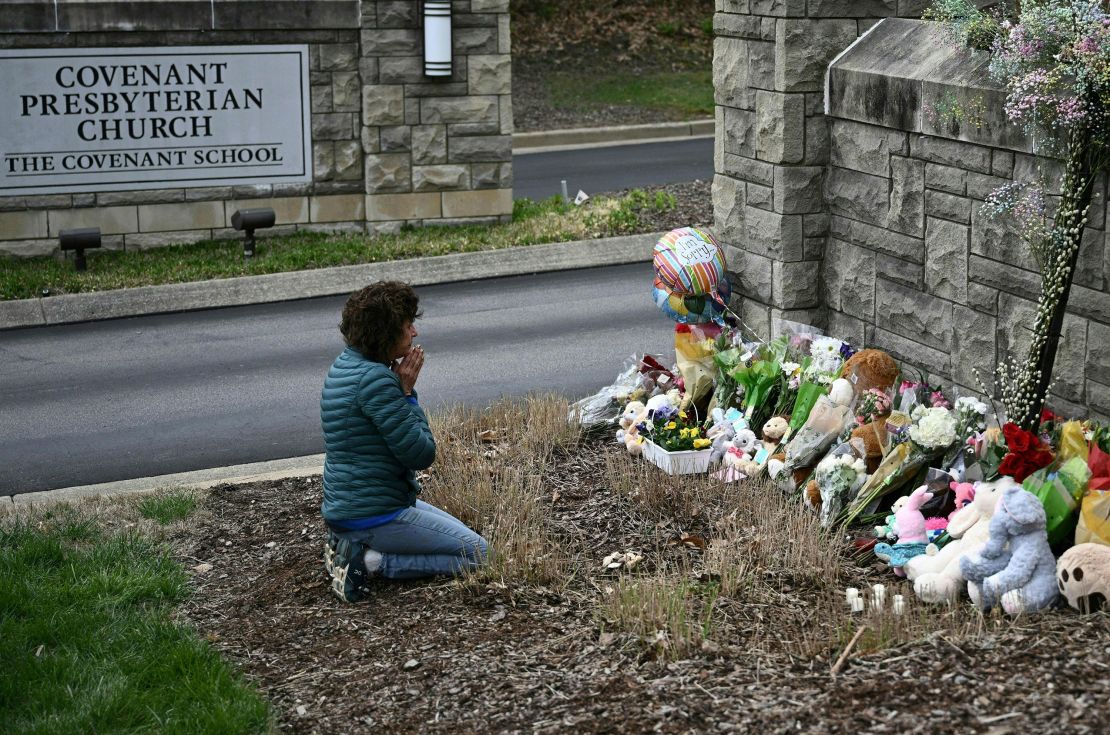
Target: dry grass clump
{"points": [[489, 473], [675, 616]]}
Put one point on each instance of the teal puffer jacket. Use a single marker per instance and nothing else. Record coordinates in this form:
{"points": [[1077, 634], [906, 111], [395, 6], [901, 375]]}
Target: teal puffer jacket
{"points": [[375, 439]]}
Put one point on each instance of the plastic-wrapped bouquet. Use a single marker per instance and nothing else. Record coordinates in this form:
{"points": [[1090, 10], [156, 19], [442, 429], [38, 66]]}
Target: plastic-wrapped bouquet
{"points": [[873, 404], [838, 477]]}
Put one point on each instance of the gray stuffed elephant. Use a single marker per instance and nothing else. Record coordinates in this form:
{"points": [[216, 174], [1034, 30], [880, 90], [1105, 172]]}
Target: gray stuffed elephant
{"points": [[1015, 567]]}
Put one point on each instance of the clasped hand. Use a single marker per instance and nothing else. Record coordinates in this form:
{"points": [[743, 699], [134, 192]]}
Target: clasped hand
{"points": [[408, 368]]}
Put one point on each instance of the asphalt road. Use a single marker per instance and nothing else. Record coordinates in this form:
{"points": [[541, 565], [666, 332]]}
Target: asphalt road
{"points": [[537, 175], [114, 400]]}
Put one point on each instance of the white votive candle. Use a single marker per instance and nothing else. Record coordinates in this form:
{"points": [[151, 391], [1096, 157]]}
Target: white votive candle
{"points": [[851, 595], [899, 604], [857, 605], [878, 594]]}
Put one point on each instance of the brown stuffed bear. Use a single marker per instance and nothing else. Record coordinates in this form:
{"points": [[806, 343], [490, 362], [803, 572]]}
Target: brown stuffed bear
{"points": [[870, 369], [874, 438]]}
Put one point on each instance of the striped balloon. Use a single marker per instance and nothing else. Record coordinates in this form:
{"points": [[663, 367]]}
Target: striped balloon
{"points": [[689, 262], [692, 309]]}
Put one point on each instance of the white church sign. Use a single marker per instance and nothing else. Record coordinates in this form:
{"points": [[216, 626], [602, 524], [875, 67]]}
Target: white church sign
{"points": [[81, 120]]}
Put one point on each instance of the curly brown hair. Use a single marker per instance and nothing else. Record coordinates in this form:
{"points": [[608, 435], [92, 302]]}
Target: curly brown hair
{"points": [[374, 318]]}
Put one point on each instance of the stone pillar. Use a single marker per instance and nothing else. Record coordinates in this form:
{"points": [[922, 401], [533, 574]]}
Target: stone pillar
{"points": [[436, 150], [772, 146]]}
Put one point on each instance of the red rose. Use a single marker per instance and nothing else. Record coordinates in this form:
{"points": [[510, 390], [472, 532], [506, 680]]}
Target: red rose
{"points": [[1016, 467], [1018, 440]]}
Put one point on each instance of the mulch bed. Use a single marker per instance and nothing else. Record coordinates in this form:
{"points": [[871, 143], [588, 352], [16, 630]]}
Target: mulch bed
{"points": [[443, 656]]}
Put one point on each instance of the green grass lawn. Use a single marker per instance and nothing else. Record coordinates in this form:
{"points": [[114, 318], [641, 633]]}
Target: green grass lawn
{"points": [[690, 92], [533, 223], [86, 638]]}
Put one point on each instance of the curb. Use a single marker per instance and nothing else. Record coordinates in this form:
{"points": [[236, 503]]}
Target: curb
{"points": [[547, 140], [199, 480], [275, 287]]}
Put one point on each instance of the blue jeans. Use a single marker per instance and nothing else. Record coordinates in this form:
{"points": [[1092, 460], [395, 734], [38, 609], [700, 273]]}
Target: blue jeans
{"points": [[423, 541]]}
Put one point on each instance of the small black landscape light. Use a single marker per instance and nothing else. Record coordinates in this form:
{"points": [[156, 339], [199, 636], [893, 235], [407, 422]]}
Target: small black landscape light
{"points": [[250, 220], [79, 240]]}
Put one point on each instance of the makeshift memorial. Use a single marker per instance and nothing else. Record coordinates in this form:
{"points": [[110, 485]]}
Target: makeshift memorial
{"points": [[837, 477], [825, 422], [909, 527], [936, 574], [1015, 567], [1083, 576]]}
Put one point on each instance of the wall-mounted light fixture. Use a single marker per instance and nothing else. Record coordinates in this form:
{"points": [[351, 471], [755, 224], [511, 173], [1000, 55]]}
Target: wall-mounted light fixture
{"points": [[249, 220], [437, 38], [79, 240]]}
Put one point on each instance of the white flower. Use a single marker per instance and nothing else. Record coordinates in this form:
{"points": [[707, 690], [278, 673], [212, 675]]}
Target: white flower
{"points": [[788, 368], [935, 429], [825, 345], [971, 404], [827, 362]]}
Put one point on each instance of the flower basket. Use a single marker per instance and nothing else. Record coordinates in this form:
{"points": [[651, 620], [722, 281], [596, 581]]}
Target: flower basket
{"points": [[677, 463]]}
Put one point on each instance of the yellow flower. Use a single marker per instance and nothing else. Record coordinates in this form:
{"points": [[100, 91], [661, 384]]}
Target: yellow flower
{"points": [[684, 433], [670, 426], [682, 414], [695, 431], [701, 443]]}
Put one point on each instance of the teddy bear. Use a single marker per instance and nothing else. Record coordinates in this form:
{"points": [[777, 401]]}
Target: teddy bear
{"points": [[936, 575], [773, 432], [628, 434], [1083, 575], [909, 527], [737, 457], [870, 369], [1015, 568]]}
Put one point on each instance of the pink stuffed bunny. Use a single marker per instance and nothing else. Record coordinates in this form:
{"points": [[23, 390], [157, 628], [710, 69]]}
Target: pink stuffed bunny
{"points": [[909, 521]]}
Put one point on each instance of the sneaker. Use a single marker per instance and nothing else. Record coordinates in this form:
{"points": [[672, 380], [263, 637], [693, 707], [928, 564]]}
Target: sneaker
{"points": [[343, 561]]}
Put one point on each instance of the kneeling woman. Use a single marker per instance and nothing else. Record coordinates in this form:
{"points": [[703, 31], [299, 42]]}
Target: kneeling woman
{"points": [[376, 436]]}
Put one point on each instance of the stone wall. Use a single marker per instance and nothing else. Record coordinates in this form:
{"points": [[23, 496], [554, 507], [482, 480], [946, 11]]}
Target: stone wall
{"points": [[773, 145], [868, 220], [390, 146], [912, 264]]}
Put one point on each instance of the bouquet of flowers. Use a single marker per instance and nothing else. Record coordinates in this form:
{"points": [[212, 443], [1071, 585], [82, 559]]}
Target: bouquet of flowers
{"points": [[838, 476], [814, 383], [757, 380], [1026, 455], [873, 405], [933, 432]]}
